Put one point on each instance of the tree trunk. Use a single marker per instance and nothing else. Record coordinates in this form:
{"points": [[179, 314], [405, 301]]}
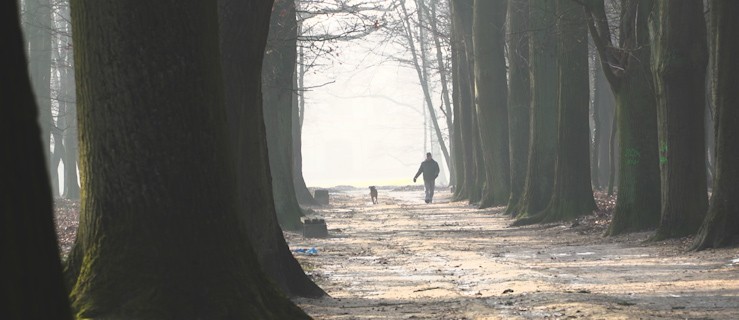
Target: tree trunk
{"points": [[721, 226], [627, 70], [462, 20], [492, 108], [243, 102], [605, 105], [543, 130], [519, 97], [160, 233], [32, 274], [679, 68], [277, 90], [67, 87], [572, 195]]}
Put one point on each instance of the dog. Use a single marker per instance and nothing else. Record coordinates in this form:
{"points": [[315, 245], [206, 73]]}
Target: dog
{"points": [[373, 194]]}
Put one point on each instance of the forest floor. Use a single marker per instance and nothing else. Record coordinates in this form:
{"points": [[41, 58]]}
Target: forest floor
{"points": [[404, 259]]}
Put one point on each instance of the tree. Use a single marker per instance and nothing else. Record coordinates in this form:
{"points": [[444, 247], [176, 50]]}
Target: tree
{"points": [[246, 125], [721, 226], [519, 97], [464, 104], [277, 78], [160, 234], [543, 130], [33, 287], [491, 90], [679, 69], [572, 195], [626, 66]]}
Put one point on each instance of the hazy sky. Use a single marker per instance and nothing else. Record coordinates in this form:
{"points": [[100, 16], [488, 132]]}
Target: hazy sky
{"points": [[367, 127]]}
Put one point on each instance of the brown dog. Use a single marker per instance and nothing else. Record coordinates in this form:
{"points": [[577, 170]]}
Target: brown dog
{"points": [[373, 194]]}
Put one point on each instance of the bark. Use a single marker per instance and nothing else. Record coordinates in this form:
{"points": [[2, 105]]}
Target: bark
{"points": [[543, 130], [572, 195], [243, 100], [456, 145], [160, 234], [277, 73], [462, 17], [492, 108], [519, 97], [32, 274], [679, 69], [626, 67], [721, 226]]}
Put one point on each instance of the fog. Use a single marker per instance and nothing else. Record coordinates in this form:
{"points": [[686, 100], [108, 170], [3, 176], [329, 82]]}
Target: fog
{"points": [[366, 127]]}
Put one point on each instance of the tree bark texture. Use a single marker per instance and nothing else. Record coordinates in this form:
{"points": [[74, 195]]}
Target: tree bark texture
{"points": [[572, 195], [160, 233], [721, 226], [32, 284], [277, 90], [462, 26], [627, 68], [243, 99], [543, 130], [492, 108], [679, 69], [519, 97]]}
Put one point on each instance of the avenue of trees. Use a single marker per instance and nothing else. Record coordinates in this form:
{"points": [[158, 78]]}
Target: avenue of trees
{"points": [[183, 121], [534, 127]]}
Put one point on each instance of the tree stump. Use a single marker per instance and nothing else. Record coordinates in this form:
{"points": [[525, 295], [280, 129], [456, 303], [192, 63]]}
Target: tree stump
{"points": [[321, 196], [315, 228]]}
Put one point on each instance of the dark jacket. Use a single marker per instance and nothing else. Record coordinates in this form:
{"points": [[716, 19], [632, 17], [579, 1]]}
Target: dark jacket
{"points": [[429, 168]]}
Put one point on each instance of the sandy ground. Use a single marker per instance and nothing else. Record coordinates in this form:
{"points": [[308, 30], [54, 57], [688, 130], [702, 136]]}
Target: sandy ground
{"points": [[404, 259]]}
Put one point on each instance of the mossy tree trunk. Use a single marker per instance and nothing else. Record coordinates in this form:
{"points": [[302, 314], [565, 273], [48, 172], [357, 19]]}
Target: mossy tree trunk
{"points": [[721, 226], [462, 28], [277, 89], [243, 100], [160, 233], [679, 68], [543, 130], [519, 97], [572, 195], [627, 68], [32, 286], [492, 102]]}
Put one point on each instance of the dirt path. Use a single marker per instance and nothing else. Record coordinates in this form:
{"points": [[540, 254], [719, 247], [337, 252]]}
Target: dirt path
{"points": [[403, 259]]}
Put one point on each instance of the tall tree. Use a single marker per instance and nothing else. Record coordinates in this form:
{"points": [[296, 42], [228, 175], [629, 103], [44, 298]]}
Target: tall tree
{"points": [[543, 130], [519, 97], [277, 78], [679, 69], [492, 105], [464, 104], [721, 226], [572, 195], [33, 287], [67, 99], [160, 234], [627, 68], [243, 102]]}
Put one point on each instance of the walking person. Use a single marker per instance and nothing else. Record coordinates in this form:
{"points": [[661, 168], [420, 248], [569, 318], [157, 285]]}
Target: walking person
{"points": [[430, 170]]}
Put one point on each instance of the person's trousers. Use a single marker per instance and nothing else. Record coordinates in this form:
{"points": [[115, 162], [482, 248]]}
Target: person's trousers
{"points": [[429, 184]]}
